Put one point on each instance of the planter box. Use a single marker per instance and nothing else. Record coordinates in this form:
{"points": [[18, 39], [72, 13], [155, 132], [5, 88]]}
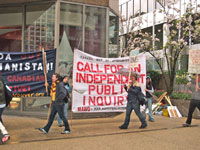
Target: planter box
{"points": [[183, 107]]}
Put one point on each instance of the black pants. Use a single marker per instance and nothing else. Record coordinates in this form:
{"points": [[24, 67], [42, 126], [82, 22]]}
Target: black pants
{"points": [[193, 105], [1, 112], [54, 109]]}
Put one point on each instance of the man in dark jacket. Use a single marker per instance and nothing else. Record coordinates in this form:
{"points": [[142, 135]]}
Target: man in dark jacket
{"points": [[195, 101], [58, 93], [133, 103]]}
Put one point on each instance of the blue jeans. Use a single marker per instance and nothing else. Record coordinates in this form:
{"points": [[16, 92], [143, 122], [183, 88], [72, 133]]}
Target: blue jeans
{"points": [[57, 108], [136, 107], [149, 105], [65, 114]]}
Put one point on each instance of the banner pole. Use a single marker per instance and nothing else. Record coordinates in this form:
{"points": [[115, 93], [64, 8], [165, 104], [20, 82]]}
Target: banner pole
{"points": [[45, 69], [72, 86], [129, 76], [45, 76]]}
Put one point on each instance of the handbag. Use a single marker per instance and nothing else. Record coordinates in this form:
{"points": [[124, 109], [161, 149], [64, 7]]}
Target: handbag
{"points": [[142, 98]]}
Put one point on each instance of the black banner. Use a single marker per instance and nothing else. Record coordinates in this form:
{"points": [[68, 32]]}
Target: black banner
{"points": [[23, 72]]}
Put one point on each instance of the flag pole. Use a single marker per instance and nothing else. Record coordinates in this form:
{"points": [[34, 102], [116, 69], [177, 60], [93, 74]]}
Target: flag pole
{"points": [[129, 76], [45, 69], [45, 77]]}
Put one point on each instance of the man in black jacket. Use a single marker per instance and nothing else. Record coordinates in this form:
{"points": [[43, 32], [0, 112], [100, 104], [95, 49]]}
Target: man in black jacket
{"points": [[133, 103], [58, 93]]}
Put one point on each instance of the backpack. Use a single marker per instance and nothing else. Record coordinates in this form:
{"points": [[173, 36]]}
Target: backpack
{"points": [[142, 98], [2, 92], [66, 98], [8, 94]]}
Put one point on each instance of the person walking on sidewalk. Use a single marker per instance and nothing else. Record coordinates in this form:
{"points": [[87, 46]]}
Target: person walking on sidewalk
{"points": [[133, 103], [195, 101], [4, 132], [149, 91], [58, 93], [69, 89]]}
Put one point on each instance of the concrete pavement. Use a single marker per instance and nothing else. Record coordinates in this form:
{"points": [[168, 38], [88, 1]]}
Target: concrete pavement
{"points": [[102, 134]]}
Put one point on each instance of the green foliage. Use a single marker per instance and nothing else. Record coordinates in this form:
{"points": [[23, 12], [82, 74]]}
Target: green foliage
{"points": [[181, 95], [180, 77], [155, 75], [175, 94], [158, 93]]}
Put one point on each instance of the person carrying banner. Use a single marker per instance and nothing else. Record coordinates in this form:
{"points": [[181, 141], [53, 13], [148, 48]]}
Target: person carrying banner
{"points": [[149, 90], [133, 103], [195, 101], [3, 130], [69, 89], [58, 93]]}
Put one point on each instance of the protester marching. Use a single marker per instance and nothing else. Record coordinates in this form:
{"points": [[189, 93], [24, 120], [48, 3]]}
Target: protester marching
{"points": [[58, 94], [133, 103], [67, 101], [195, 101]]}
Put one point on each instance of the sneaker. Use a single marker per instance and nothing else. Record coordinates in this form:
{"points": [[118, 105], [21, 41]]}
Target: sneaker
{"points": [[122, 127], [42, 130], [5, 138], [186, 125], [143, 126], [65, 132], [151, 120]]}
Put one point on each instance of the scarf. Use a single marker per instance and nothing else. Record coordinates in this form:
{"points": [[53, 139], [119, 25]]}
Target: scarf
{"points": [[53, 90]]}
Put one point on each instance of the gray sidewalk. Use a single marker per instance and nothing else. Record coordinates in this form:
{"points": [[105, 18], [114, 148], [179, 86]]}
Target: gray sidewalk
{"points": [[102, 133]]}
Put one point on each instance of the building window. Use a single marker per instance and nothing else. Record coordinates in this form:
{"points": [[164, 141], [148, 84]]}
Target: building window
{"points": [[124, 11], [159, 35], [70, 35], [11, 29], [130, 9], [113, 35], [40, 22], [95, 31], [150, 5], [136, 8], [144, 7]]}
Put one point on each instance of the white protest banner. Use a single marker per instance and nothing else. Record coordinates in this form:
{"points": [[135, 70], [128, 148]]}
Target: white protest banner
{"points": [[194, 61], [138, 63], [97, 87]]}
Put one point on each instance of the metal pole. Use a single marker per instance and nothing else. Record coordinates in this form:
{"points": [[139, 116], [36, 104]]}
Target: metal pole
{"points": [[153, 27], [23, 27], [57, 33]]}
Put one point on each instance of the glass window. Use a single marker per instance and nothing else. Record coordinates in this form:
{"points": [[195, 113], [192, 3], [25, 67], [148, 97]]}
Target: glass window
{"points": [[158, 5], [70, 35], [144, 7], [130, 9], [136, 8], [95, 31], [40, 22], [150, 5], [10, 29], [124, 11], [113, 35], [159, 35]]}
